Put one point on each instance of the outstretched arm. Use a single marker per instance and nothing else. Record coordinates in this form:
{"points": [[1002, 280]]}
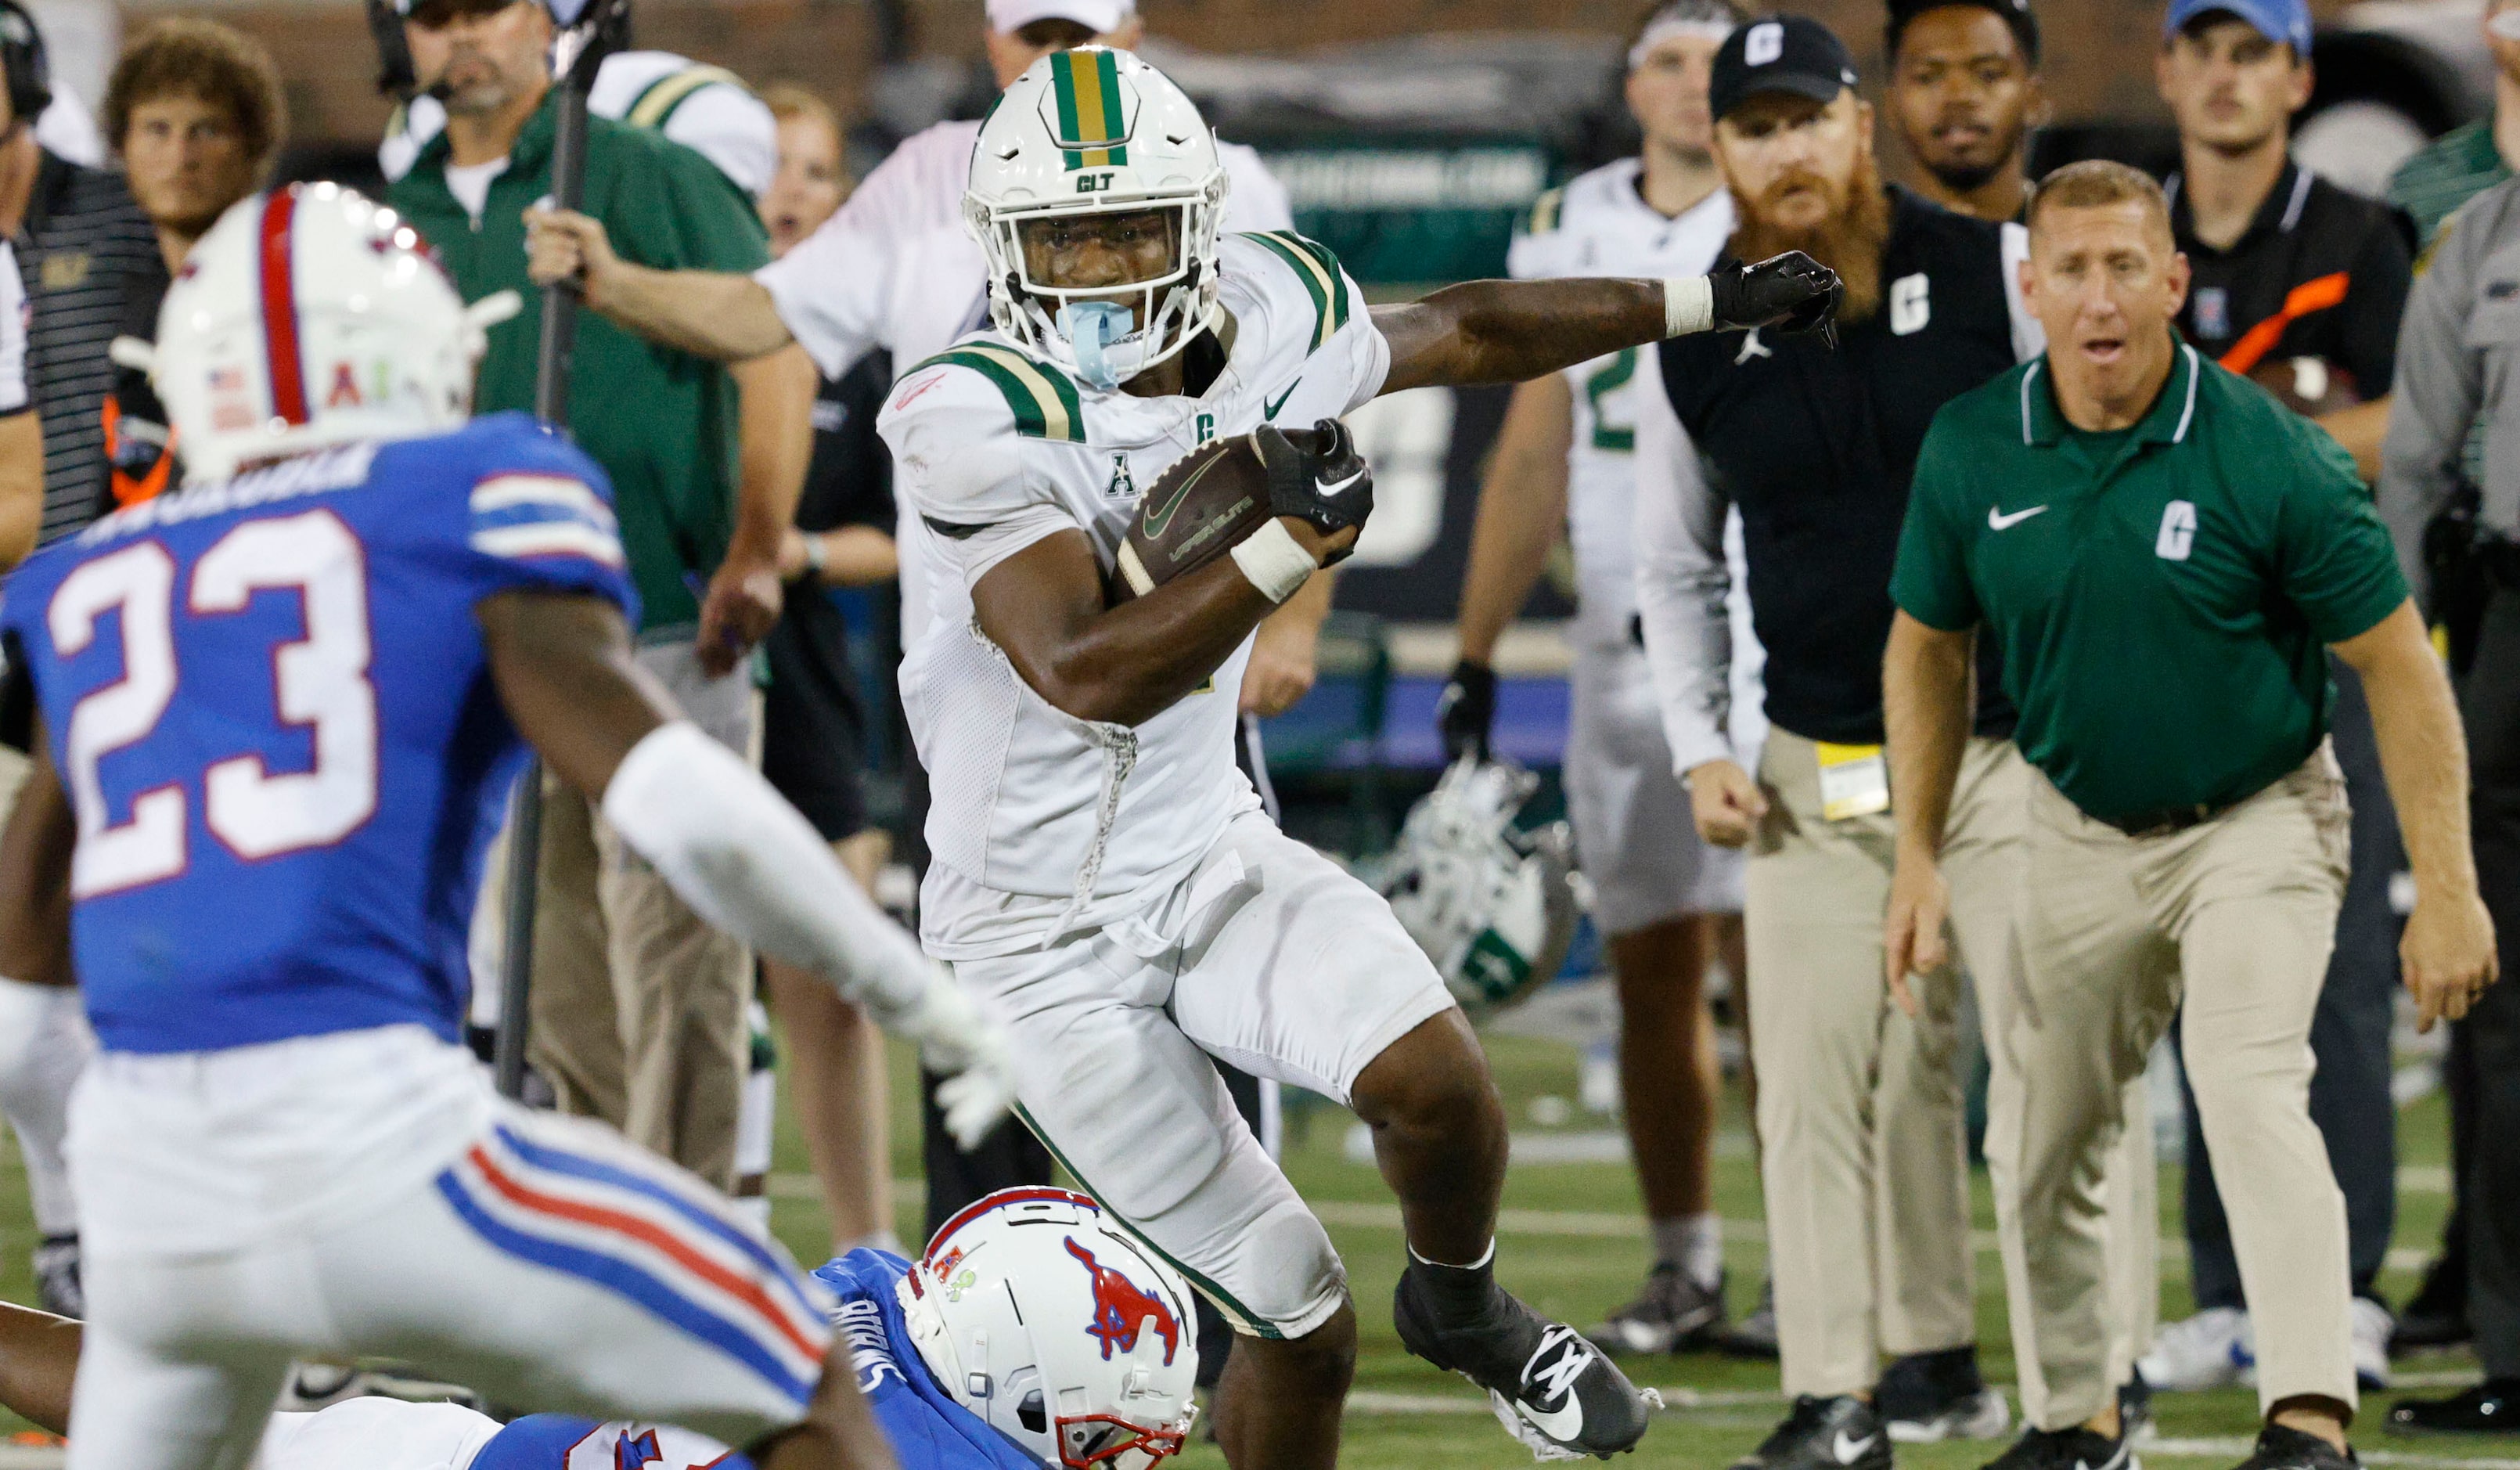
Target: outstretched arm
{"points": [[1514, 331], [727, 845]]}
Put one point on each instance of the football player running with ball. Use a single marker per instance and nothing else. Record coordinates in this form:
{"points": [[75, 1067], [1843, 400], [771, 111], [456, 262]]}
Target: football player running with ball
{"points": [[286, 704], [1102, 868]]}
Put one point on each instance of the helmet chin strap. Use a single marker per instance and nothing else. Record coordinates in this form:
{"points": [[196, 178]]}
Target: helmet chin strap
{"points": [[1090, 327]]}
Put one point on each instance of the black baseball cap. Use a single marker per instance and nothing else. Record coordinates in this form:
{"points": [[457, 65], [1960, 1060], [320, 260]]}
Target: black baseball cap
{"points": [[2015, 14], [1793, 53]]}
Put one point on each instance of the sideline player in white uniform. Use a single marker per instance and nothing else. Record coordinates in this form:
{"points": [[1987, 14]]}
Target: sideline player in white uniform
{"points": [[289, 698], [1565, 460], [1100, 866], [707, 109]]}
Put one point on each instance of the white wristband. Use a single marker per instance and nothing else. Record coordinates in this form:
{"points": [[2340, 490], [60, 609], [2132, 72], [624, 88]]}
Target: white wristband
{"points": [[1275, 562], [1688, 305]]}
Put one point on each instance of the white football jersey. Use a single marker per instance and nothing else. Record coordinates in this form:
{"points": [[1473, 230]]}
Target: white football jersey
{"points": [[1043, 823], [1600, 225], [896, 270], [15, 315]]}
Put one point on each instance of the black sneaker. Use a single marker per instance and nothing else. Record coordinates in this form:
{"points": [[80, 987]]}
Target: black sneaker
{"points": [[2135, 1407], [1547, 1384], [1672, 1314], [1927, 1397], [2076, 1448], [1824, 1434], [1754, 1336], [2490, 1407], [58, 1289], [2282, 1448]]}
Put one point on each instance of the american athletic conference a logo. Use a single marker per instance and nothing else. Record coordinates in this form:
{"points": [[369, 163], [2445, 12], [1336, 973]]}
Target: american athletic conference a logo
{"points": [[1121, 1309]]}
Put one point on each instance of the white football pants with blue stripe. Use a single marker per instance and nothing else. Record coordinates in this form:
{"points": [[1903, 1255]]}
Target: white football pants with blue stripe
{"points": [[366, 1194]]}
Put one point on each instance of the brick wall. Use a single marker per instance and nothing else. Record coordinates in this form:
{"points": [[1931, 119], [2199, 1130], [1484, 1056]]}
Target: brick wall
{"points": [[2098, 50]]}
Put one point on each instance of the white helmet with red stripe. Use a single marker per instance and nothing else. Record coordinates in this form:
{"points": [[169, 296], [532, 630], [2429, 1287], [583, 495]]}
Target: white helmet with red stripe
{"points": [[1040, 1314], [310, 316]]}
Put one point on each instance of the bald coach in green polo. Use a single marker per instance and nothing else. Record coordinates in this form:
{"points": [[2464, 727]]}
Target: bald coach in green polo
{"points": [[2166, 556]]}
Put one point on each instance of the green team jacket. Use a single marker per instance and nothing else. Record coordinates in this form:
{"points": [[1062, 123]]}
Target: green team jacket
{"points": [[662, 422]]}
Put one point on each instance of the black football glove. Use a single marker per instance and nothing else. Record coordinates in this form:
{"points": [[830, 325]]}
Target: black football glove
{"points": [[1791, 293], [1316, 474], [1466, 711]]}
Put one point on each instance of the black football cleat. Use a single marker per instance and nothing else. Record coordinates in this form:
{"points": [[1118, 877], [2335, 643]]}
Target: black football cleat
{"points": [[1549, 1387], [1824, 1434], [2490, 1407]]}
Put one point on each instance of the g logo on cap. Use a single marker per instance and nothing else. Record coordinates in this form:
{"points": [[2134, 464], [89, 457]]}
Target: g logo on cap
{"points": [[1764, 44]]}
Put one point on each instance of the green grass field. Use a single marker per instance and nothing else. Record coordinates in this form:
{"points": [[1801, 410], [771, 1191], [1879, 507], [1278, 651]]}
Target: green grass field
{"points": [[1573, 1246]]}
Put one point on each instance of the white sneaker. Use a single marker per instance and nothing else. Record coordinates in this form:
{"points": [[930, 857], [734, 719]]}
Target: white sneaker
{"points": [[2372, 1325], [2211, 1350]]}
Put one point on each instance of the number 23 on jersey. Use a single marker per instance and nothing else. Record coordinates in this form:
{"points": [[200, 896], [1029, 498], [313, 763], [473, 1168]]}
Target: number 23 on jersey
{"points": [[319, 684]]}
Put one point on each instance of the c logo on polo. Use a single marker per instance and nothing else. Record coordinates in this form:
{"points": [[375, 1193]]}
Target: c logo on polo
{"points": [[1764, 44], [1911, 304], [2178, 531]]}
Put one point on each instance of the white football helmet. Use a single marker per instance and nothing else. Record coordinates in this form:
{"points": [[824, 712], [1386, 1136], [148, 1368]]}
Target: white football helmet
{"points": [[310, 316], [1096, 132], [1047, 1320], [1494, 907]]}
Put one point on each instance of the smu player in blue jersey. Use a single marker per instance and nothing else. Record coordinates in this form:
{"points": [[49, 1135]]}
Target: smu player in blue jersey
{"points": [[278, 711], [1024, 1301]]}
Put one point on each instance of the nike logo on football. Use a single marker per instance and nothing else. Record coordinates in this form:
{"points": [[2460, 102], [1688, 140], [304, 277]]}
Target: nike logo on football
{"points": [[1162, 516], [1270, 410], [1846, 1452], [1998, 522]]}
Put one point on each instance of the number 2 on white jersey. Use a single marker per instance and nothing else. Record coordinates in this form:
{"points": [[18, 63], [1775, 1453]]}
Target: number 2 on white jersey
{"points": [[321, 681]]}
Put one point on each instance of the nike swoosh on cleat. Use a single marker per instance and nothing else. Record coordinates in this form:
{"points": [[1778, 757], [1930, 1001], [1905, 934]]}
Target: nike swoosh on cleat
{"points": [[1998, 522], [1269, 410], [1559, 1424], [1847, 1451]]}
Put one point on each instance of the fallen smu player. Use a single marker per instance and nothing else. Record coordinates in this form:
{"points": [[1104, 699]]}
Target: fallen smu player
{"points": [[286, 702], [1032, 1334], [1100, 865]]}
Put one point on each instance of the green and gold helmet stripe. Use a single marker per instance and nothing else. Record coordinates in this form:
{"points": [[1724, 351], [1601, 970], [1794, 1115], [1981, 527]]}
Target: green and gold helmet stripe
{"points": [[1092, 130], [656, 104], [1318, 271], [1043, 400]]}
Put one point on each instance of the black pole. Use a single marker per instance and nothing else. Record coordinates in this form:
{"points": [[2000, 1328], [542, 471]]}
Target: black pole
{"points": [[576, 54]]}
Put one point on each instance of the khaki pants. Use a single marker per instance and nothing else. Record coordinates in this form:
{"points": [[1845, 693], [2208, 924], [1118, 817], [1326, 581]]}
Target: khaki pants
{"points": [[2239, 913], [637, 1014], [1862, 1134]]}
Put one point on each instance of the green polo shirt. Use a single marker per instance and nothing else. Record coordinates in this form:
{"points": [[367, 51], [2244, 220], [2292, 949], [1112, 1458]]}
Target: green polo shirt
{"points": [[662, 422], [2162, 595]]}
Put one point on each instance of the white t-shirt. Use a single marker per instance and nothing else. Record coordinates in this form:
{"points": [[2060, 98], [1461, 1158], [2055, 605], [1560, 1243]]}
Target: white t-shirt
{"points": [[703, 108], [13, 315], [469, 183], [894, 269], [1042, 822]]}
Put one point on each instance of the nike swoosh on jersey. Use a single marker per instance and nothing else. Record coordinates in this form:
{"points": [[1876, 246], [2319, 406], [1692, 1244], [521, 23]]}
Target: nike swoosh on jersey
{"points": [[1847, 1451], [1996, 521], [1161, 515], [1270, 410]]}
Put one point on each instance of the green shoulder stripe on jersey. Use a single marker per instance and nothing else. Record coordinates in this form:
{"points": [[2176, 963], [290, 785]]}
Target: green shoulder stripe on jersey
{"points": [[656, 104], [1093, 132], [1544, 211], [1318, 271], [1240, 1317], [1044, 401]]}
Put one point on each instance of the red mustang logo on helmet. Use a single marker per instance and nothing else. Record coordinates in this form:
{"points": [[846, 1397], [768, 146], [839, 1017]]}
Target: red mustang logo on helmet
{"points": [[1120, 1308]]}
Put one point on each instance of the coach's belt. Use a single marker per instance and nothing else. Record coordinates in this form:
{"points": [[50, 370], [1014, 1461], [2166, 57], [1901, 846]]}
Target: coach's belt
{"points": [[2164, 821]]}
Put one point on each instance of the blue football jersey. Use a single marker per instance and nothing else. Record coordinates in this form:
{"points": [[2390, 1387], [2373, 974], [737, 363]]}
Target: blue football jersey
{"points": [[270, 705], [928, 1430]]}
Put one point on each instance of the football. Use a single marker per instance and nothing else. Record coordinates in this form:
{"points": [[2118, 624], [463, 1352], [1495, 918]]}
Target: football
{"points": [[2309, 386], [1209, 500]]}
